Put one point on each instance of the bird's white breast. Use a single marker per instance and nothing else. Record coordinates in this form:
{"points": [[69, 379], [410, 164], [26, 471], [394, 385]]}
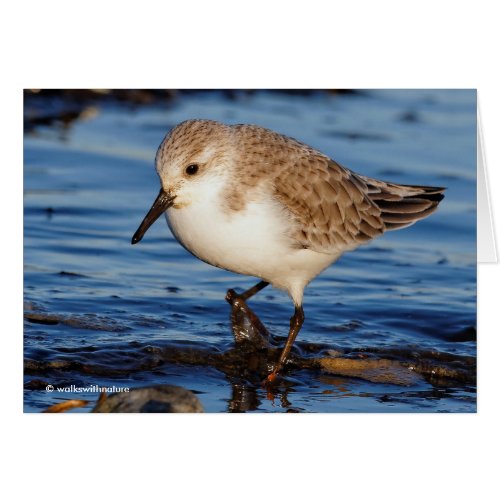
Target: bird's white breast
{"points": [[253, 241]]}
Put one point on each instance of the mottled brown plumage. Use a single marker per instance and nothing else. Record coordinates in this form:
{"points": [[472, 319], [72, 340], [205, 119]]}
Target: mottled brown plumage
{"points": [[332, 207]]}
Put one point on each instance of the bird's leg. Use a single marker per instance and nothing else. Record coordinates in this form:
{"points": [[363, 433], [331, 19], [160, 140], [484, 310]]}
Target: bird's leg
{"points": [[296, 322], [252, 291], [231, 294]]}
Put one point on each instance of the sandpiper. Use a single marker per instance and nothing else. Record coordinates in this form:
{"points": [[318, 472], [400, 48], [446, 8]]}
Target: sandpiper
{"points": [[255, 202]]}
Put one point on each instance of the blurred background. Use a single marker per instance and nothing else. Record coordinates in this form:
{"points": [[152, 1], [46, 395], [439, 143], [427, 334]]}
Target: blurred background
{"points": [[99, 311]]}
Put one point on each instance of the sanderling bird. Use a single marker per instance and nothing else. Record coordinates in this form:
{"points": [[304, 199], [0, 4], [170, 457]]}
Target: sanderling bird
{"points": [[255, 202]]}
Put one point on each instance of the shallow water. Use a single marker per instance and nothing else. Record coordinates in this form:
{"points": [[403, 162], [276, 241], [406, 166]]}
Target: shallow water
{"points": [[88, 186]]}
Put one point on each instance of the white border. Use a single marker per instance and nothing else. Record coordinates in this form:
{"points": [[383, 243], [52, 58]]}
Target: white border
{"points": [[248, 44]]}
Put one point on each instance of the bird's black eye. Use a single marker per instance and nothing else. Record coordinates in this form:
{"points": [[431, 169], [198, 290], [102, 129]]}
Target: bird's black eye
{"points": [[192, 169]]}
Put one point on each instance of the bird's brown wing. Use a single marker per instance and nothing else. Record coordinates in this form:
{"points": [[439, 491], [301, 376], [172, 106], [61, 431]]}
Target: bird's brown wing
{"points": [[330, 205], [334, 209], [337, 209]]}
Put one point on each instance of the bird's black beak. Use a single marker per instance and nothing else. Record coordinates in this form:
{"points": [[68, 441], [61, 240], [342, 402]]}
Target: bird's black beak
{"points": [[162, 203]]}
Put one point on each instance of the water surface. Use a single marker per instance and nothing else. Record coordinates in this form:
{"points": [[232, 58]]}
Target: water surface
{"points": [[88, 186]]}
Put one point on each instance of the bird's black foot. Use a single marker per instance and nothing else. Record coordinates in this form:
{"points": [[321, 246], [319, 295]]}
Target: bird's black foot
{"points": [[232, 296], [245, 324]]}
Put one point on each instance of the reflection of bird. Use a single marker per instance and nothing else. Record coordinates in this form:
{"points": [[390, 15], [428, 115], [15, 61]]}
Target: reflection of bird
{"points": [[252, 201]]}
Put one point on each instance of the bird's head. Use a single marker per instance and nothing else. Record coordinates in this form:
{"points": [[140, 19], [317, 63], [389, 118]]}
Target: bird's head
{"points": [[190, 162]]}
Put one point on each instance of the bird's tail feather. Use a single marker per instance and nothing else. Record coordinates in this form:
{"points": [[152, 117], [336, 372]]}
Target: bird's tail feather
{"points": [[403, 205]]}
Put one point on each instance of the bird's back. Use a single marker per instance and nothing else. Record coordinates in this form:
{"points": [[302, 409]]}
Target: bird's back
{"points": [[333, 207]]}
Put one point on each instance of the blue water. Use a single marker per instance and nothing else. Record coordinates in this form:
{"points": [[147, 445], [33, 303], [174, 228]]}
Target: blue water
{"points": [[88, 187]]}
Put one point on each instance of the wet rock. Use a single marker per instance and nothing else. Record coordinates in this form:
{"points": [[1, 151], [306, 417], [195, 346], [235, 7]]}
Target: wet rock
{"points": [[83, 321], [468, 334], [70, 404], [156, 399], [42, 319], [383, 371], [36, 384], [435, 366]]}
